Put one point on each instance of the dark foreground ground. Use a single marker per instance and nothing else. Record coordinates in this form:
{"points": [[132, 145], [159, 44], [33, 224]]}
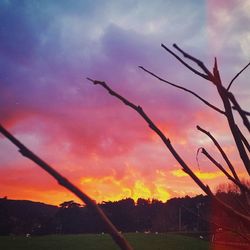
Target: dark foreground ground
{"points": [[139, 241]]}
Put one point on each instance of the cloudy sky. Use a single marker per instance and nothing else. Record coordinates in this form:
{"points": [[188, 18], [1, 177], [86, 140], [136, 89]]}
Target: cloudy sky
{"points": [[48, 48]]}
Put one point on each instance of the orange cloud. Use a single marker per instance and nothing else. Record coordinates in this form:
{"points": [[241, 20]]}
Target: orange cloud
{"points": [[201, 175]]}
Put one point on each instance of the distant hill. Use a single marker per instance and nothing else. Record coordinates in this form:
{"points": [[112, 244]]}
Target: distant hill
{"points": [[23, 216]]}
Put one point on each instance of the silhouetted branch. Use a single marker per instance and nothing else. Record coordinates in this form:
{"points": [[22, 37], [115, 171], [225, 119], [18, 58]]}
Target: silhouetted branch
{"points": [[185, 89], [237, 76], [215, 79], [117, 237], [243, 138], [197, 61], [196, 156], [168, 144], [245, 112], [221, 151], [219, 166], [240, 111], [166, 141], [229, 114], [185, 64]]}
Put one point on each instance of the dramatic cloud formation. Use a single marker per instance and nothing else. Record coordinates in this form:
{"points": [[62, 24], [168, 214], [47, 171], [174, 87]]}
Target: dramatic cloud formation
{"points": [[48, 48]]}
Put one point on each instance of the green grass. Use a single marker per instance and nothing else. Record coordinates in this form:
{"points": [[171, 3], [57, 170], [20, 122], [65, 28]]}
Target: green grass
{"points": [[139, 241]]}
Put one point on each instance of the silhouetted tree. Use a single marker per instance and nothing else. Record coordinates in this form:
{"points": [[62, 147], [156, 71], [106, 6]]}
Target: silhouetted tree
{"points": [[68, 218]]}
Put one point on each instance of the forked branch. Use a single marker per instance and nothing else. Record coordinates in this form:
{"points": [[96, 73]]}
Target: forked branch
{"points": [[230, 165], [241, 112], [117, 237], [230, 118], [224, 95], [196, 60], [205, 76], [244, 139], [223, 170], [245, 112]]}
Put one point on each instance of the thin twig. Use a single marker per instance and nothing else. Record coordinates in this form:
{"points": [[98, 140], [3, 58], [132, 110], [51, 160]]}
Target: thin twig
{"points": [[244, 111], [240, 111], [243, 138], [222, 169], [197, 61], [221, 151], [182, 88], [117, 237], [237, 75], [197, 158], [172, 150], [185, 64]]}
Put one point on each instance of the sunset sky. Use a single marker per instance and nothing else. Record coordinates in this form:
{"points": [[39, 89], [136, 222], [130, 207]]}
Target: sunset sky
{"points": [[48, 48]]}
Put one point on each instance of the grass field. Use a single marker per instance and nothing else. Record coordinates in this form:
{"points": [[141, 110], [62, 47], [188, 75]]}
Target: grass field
{"points": [[139, 241]]}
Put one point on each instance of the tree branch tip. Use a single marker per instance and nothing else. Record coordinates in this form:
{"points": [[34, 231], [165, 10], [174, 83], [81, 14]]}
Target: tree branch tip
{"points": [[139, 107], [200, 149], [89, 79], [215, 63], [95, 81], [164, 46]]}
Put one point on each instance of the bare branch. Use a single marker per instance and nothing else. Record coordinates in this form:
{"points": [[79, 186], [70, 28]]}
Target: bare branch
{"points": [[168, 144], [117, 237], [230, 118], [197, 61], [166, 141], [221, 151], [185, 64], [185, 89], [243, 138], [196, 157], [216, 76], [240, 111], [237, 75], [219, 166], [215, 79], [244, 111]]}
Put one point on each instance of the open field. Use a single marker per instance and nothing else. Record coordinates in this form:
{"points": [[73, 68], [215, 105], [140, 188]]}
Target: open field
{"points": [[139, 241]]}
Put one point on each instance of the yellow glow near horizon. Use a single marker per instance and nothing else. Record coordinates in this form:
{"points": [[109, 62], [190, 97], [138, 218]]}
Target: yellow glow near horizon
{"points": [[201, 175]]}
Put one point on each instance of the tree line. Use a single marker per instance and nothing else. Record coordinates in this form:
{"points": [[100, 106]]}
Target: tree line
{"points": [[177, 214]]}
